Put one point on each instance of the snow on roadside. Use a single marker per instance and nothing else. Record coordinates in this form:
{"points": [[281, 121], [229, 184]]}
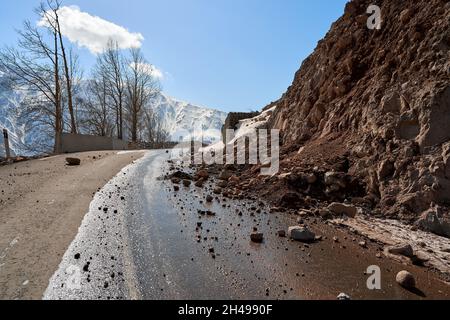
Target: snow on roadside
{"points": [[244, 128], [96, 264]]}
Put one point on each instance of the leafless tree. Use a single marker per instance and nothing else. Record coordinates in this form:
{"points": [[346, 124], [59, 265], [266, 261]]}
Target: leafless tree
{"points": [[152, 129], [98, 120], [142, 85], [35, 66], [110, 65], [49, 12]]}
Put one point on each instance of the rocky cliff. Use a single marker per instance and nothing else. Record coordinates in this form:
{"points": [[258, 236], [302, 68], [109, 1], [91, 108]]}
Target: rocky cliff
{"points": [[370, 110]]}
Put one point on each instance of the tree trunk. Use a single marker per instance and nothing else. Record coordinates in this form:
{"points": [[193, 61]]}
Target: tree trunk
{"points": [[58, 109], [73, 123]]}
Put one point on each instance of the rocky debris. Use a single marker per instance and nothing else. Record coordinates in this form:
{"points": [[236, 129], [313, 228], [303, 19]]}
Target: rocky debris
{"points": [[257, 237], [225, 175], [343, 297], [222, 184], [202, 174], [290, 200], [176, 180], [73, 161], [281, 233], [436, 220], [301, 233], [187, 183], [406, 280], [343, 209], [199, 183], [209, 198], [176, 188], [180, 175], [405, 250]]}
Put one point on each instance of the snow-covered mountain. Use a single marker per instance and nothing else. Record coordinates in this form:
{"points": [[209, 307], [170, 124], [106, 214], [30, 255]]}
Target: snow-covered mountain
{"points": [[183, 120], [180, 119], [25, 136]]}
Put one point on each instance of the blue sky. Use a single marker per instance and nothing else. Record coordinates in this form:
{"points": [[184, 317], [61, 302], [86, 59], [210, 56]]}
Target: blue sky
{"points": [[233, 55]]}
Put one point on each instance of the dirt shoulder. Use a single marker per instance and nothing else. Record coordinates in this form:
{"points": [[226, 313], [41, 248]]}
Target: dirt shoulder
{"points": [[42, 204]]}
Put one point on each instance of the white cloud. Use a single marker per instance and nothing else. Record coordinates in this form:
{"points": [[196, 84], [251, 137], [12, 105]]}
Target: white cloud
{"points": [[93, 32], [149, 69]]}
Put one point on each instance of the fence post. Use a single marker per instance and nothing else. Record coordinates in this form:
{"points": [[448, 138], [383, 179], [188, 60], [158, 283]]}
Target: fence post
{"points": [[6, 140]]}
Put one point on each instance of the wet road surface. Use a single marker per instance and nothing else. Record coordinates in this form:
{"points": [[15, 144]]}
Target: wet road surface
{"points": [[155, 243]]}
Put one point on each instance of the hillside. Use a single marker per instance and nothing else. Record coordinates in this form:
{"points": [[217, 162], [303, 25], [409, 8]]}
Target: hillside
{"points": [[368, 117]]}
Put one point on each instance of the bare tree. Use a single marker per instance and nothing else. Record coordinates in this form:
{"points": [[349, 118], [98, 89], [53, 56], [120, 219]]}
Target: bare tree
{"points": [[98, 120], [35, 66], [142, 85], [110, 65], [49, 12], [152, 129]]}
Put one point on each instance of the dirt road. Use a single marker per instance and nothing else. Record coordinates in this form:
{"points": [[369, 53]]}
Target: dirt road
{"points": [[42, 204]]}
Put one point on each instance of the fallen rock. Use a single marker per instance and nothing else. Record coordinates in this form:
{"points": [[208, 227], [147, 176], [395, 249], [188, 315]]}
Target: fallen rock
{"points": [[401, 250], [199, 183], [73, 161], [209, 198], [343, 297], [257, 237], [343, 209], [222, 184], [406, 280], [225, 175], [187, 183], [281, 233], [301, 233], [203, 174], [181, 175]]}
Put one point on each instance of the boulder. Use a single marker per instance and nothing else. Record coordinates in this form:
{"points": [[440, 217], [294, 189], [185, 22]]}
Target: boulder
{"points": [[302, 234], [343, 209], [73, 161], [406, 280], [401, 250]]}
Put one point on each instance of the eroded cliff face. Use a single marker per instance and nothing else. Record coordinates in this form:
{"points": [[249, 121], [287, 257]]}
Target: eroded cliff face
{"points": [[375, 105]]}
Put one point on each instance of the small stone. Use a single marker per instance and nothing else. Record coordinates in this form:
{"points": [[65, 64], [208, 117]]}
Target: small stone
{"points": [[343, 297], [302, 234], [257, 237], [282, 233], [209, 198], [203, 174], [406, 280], [187, 183], [363, 244]]}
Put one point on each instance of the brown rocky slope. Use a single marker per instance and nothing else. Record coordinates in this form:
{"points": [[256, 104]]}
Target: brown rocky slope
{"points": [[367, 118]]}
